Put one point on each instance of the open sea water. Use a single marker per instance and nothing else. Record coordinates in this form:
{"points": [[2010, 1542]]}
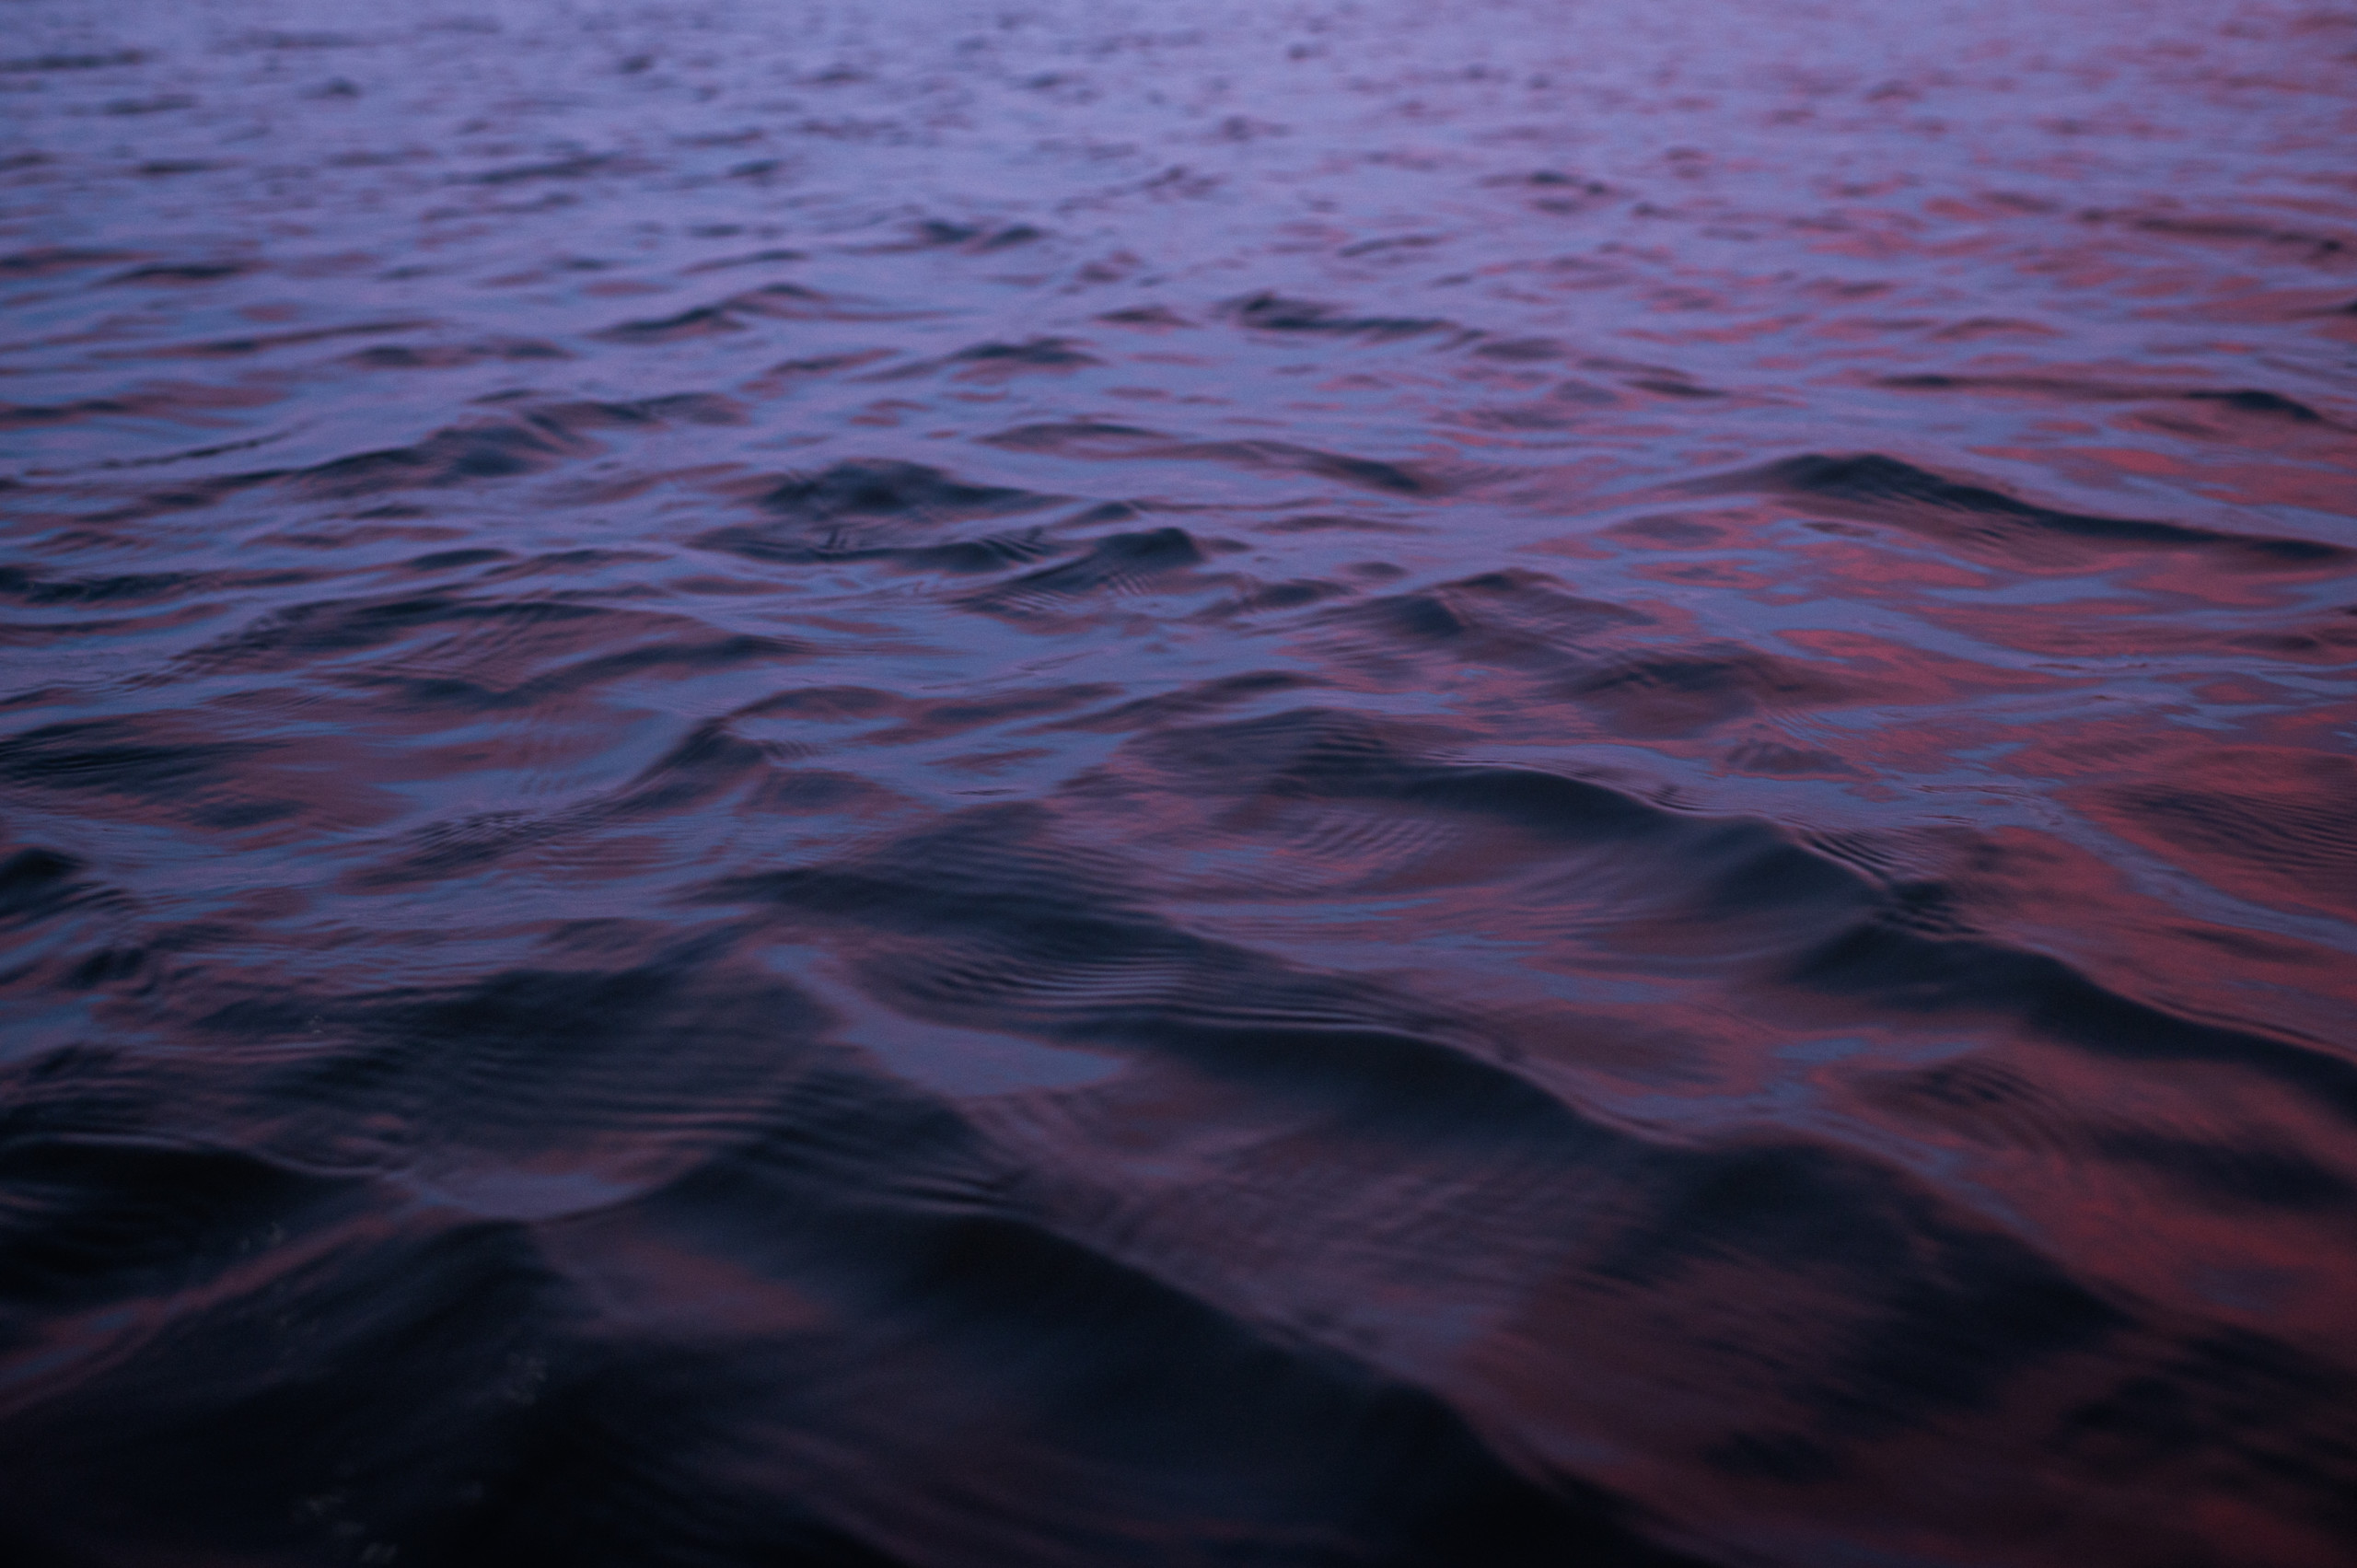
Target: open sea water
{"points": [[1528, 783]]}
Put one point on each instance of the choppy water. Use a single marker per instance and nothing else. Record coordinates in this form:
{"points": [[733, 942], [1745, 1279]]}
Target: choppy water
{"points": [[1202, 784]]}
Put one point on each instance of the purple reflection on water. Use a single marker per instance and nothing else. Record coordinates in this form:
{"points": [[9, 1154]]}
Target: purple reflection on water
{"points": [[1189, 784]]}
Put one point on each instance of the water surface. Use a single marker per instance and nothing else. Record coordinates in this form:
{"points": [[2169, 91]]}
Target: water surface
{"points": [[1210, 784]]}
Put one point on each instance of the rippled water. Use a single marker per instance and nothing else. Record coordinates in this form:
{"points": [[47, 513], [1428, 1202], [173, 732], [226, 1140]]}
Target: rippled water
{"points": [[1203, 783]]}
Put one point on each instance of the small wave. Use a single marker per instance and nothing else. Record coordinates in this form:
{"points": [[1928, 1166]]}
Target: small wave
{"points": [[1274, 313], [1888, 491]]}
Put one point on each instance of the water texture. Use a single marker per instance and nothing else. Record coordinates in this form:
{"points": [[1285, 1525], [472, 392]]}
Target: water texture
{"points": [[930, 785]]}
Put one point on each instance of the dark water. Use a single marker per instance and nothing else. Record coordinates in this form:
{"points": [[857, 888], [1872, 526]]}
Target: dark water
{"points": [[1209, 783]]}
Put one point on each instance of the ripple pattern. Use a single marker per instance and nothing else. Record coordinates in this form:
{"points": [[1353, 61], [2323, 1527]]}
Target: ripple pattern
{"points": [[922, 784]]}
